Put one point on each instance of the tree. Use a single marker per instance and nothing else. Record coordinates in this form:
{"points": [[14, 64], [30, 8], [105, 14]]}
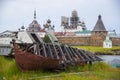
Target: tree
{"points": [[46, 39]]}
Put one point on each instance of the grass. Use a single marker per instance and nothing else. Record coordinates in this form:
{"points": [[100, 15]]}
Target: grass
{"points": [[98, 71], [101, 50]]}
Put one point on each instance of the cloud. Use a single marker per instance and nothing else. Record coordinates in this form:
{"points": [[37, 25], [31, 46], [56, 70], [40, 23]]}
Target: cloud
{"points": [[16, 12]]}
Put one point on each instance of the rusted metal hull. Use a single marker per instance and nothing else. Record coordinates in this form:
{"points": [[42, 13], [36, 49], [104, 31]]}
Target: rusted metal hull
{"points": [[57, 57], [28, 61]]}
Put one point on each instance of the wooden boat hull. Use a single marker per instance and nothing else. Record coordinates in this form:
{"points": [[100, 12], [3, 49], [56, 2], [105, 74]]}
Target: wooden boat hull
{"points": [[60, 58], [28, 61]]}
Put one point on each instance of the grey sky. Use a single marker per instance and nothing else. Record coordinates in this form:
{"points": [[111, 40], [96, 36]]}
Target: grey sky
{"points": [[15, 13]]}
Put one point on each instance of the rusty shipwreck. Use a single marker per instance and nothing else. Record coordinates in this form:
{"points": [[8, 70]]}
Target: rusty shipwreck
{"points": [[40, 55]]}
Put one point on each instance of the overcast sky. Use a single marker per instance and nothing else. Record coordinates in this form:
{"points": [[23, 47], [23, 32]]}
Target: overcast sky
{"points": [[15, 13]]}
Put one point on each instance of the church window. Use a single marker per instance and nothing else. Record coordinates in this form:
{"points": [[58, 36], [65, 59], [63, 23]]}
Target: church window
{"points": [[106, 43]]}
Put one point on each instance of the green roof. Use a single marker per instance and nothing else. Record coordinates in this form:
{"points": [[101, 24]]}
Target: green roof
{"points": [[107, 39], [83, 32]]}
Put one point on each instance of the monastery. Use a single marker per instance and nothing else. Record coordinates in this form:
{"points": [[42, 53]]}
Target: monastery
{"points": [[74, 32]]}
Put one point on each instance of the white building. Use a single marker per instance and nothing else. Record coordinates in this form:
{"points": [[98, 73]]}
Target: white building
{"points": [[112, 33], [5, 39], [107, 42]]}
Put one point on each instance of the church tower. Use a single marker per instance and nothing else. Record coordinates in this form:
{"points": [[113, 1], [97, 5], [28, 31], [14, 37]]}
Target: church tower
{"points": [[34, 26], [74, 19], [98, 33]]}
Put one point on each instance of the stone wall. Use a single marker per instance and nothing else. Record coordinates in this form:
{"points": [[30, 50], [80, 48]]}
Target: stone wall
{"points": [[95, 41], [115, 41], [98, 37], [74, 40]]}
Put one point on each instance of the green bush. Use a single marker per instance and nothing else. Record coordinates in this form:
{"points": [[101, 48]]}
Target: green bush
{"points": [[46, 39]]}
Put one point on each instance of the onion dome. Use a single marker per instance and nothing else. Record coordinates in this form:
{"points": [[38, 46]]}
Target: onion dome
{"points": [[74, 13], [22, 27], [83, 24], [79, 22], [46, 26], [49, 21]]}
